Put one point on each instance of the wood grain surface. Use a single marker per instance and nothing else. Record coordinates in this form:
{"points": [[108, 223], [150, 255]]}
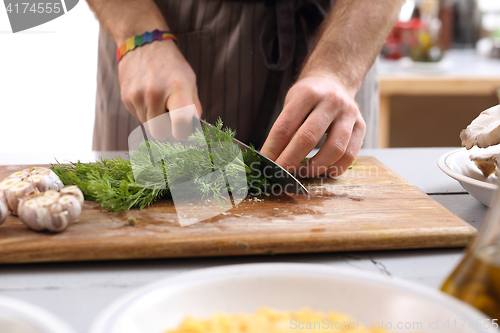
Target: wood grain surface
{"points": [[368, 208]]}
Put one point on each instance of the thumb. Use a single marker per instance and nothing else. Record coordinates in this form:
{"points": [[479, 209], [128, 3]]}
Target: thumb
{"points": [[182, 110]]}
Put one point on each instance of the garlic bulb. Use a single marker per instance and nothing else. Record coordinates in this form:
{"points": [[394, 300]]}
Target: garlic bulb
{"points": [[23, 182], [34, 195], [51, 210], [71, 204]]}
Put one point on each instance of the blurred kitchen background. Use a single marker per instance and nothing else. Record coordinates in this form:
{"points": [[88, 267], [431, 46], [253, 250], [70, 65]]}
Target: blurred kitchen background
{"points": [[439, 69], [48, 84]]}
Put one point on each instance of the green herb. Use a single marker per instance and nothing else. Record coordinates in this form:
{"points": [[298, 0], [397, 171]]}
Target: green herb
{"points": [[120, 185], [132, 221], [306, 159]]}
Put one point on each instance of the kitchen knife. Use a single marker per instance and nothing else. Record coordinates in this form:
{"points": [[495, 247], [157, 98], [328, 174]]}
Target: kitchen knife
{"points": [[281, 176]]}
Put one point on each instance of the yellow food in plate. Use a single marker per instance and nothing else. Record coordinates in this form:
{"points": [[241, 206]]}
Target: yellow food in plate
{"points": [[266, 320]]}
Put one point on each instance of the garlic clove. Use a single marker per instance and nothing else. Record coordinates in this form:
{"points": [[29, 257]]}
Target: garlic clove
{"points": [[9, 182], [45, 201], [20, 174], [60, 218], [73, 190], [35, 170], [4, 211], [43, 182], [16, 192], [71, 204], [52, 194], [33, 214], [56, 183]]}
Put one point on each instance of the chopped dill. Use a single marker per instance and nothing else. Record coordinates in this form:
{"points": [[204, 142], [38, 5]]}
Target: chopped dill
{"points": [[121, 185]]}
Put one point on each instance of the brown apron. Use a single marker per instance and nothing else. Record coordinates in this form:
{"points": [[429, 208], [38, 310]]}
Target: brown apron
{"points": [[245, 55]]}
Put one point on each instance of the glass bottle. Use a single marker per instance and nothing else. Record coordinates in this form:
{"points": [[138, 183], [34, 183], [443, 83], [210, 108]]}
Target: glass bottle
{"points": [[426, 45], [476, 280]]}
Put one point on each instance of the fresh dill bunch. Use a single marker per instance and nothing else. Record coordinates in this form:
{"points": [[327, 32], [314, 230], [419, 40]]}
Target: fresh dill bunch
{"points": [[109, 181], [211, 162]]}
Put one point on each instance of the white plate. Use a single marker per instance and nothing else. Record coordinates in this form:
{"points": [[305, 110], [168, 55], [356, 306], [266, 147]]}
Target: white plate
{"points": [[287, 287], [458, 165], [20, 317]]}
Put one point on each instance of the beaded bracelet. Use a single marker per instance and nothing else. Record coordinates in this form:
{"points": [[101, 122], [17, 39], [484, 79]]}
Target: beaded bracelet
{"points": [[139, 40]]}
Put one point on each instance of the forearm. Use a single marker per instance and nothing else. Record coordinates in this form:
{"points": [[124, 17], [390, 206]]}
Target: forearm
{"points": [[350, 39], [123, 19]]}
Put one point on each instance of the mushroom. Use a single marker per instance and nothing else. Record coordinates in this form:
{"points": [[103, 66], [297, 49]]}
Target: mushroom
{"points": [[14, 193], [487, 163], [484, 131]]}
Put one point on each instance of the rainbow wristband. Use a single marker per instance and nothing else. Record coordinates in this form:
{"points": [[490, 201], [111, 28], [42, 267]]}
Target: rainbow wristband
{"points": [[145, 38]]}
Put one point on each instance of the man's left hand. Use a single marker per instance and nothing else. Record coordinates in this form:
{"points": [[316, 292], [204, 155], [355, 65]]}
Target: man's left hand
{"points": [[316, 104]]}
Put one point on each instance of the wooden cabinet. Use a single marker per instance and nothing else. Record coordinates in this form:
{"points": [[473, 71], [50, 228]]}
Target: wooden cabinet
{"points": [[436, 101]]}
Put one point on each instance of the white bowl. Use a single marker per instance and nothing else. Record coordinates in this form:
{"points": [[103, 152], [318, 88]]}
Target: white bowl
{"points": [[20, 317], [458, 165], [288, 287]]}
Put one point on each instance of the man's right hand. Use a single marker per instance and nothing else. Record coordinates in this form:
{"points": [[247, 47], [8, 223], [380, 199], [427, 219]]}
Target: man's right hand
{"points": [[154, 78]]}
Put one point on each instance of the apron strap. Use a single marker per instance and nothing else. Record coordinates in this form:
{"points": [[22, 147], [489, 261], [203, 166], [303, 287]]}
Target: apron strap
{"points": [[282, 40]]}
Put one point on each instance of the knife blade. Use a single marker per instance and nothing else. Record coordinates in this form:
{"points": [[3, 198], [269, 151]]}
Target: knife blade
{"points": [[281, 176]]}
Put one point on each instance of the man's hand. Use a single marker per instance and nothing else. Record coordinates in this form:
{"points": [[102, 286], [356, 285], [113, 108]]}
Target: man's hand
{"points": [[317, 104], [322, 99], [154, 78]]}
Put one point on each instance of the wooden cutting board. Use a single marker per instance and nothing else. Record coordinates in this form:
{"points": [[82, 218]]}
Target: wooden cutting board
{"points": [[368, 208]]}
